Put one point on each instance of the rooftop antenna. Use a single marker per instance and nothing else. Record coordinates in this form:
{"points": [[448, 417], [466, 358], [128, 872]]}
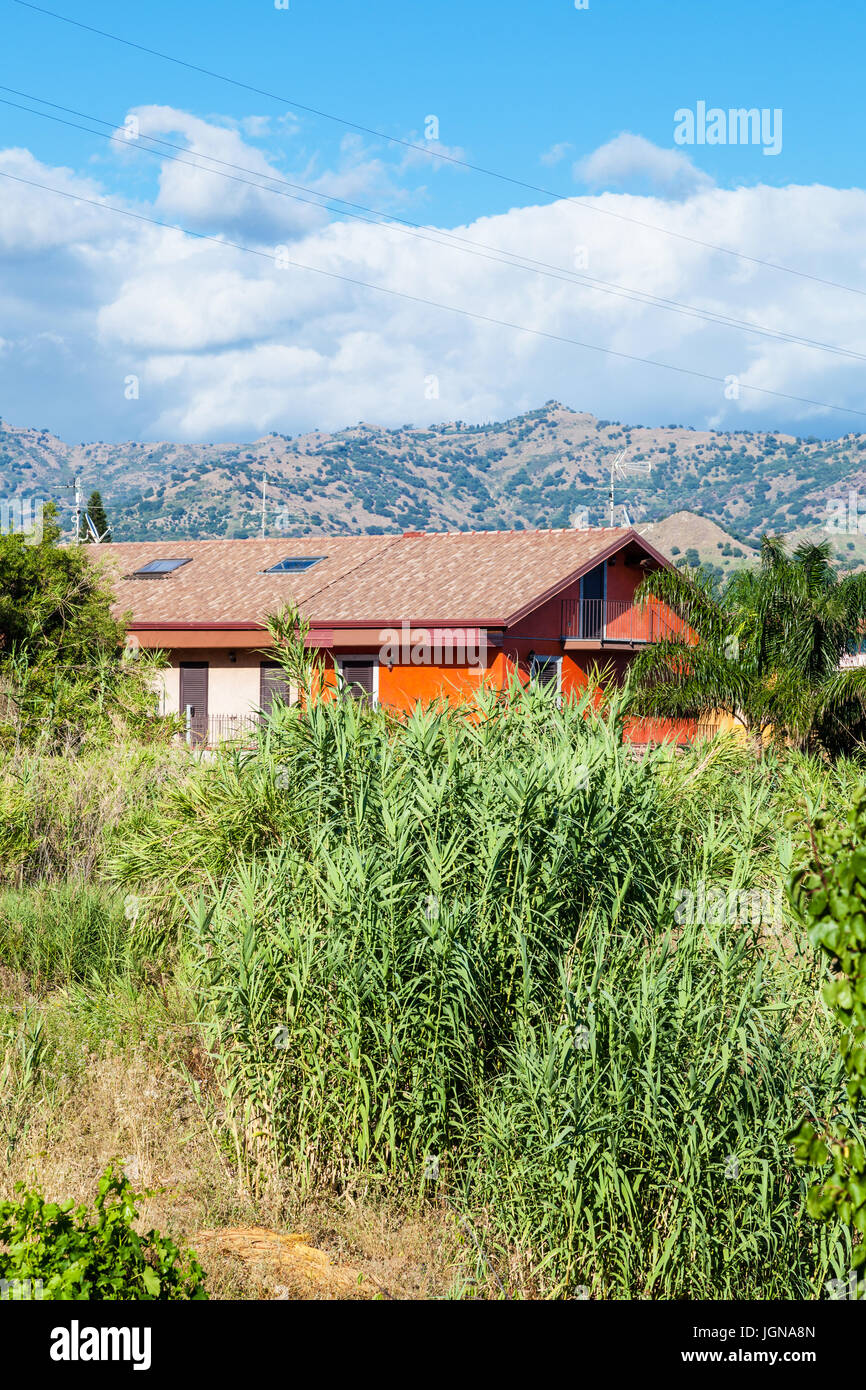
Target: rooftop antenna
{"points": [[81, 511], [620, 469], [264, 494], [616, 468]]}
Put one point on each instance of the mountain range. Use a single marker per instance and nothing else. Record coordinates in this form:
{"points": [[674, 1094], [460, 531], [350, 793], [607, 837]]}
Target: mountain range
{"points": [[704, 491]]}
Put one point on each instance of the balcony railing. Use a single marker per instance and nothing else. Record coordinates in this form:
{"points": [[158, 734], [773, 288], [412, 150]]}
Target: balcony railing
{"points": [[619, 620]]}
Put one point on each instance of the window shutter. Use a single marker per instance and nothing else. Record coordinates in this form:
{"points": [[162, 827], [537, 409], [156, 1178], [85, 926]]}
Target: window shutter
{"points": [[359, 677], [545, 671], [272, 685], [193, 692]]}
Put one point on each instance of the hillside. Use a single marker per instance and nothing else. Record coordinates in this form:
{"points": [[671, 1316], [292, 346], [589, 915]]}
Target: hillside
{"points": [[687, 538], [538, 469]]}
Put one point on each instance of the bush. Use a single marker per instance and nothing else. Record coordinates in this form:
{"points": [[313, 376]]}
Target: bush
{"points": [[75, 1257], [828, 889], [404, 927]]}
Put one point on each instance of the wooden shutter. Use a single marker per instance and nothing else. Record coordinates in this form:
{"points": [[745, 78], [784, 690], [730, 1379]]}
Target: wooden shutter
{"points": [[360, 679], [273, 684], [545, 670], [193, 691]]}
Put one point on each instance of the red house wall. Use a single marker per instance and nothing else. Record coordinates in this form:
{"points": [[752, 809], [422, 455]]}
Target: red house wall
{"points": [[403, 686]]}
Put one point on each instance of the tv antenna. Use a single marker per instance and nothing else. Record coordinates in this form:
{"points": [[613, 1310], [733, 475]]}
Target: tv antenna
{"points": [[620, 468], [81, 513], [264, 495]]}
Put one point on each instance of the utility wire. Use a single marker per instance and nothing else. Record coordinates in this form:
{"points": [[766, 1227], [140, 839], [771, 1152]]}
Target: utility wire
{"points": [[417, 230], [439, 154], [431, 303]]}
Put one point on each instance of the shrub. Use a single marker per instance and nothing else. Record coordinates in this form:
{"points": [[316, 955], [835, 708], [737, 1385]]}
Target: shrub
{"points": [[76, 1257], [828, 890]]}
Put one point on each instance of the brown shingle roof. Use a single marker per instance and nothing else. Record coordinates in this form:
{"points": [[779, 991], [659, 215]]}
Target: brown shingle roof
{"points": [[484, 577]]}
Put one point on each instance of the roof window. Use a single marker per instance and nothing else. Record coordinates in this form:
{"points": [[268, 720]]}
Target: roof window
{"points": [[294, 564], [158, 569]]}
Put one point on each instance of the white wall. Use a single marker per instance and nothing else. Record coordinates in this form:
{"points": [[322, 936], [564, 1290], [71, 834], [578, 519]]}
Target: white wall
{"points": [[233, 687]]}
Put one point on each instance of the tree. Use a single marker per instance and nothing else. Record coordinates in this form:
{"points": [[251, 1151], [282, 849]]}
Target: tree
{"points": [[53, 601], [766, 651], [64, 674], [96, 512], [827, 889]]}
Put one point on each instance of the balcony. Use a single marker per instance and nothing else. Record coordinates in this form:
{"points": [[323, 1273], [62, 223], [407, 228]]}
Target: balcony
{"points": [[596, 622]]}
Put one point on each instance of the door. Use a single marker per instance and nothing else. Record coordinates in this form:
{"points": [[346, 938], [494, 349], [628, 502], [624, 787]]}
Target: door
{"points": [[273, 685], [592, 588], [193, 694]]}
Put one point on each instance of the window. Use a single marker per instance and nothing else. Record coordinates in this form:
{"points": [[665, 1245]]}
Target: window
{"points": [[546, 671], [294, 564], [158, 569], [361, 674]]}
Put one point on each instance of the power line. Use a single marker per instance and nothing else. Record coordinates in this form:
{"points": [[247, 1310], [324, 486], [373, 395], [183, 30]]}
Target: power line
{"points": [[464, 245], [432, 303], [439, 154]]}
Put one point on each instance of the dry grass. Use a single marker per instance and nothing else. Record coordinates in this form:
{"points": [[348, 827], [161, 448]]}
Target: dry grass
{"points": [[132, 1105]]}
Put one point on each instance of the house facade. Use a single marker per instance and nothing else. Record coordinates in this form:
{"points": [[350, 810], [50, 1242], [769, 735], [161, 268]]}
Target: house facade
{"points": [[406, 618]]}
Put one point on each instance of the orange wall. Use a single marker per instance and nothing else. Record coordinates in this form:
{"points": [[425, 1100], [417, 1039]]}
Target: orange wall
{"points": [[404, 686]]}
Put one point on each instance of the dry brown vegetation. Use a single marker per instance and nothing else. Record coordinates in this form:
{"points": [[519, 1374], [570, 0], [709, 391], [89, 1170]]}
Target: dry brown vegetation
{"points": [[136, 1105]]}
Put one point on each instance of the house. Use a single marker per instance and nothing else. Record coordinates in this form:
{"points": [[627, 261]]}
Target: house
{"points": [[404, 617]]}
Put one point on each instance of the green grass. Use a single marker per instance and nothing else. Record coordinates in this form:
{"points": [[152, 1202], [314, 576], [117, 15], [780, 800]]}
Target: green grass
{"points": [[440, 956]]}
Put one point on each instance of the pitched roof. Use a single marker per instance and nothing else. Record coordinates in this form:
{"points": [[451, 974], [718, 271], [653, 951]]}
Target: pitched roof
{"points": [[482, 577]]}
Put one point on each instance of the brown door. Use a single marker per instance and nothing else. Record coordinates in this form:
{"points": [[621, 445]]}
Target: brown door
{"points": [[273, 685], [193, 695]]}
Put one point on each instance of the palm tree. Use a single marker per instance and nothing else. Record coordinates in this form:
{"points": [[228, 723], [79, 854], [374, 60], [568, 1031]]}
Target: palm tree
{"points": [[766, 651]]}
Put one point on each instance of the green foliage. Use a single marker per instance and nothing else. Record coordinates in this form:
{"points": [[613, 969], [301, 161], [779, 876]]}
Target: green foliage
{"points": [[766, 651], [828, 890], [52, 599], [82, 1255], [60, 816], [451, 937], [64, 678], [63, 935]]}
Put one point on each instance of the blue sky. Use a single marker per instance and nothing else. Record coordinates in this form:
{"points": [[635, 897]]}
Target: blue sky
{"points": [[509, 79], [580, 102]]}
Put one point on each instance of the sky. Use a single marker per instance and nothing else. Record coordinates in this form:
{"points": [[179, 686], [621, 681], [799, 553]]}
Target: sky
{"points": [[592, 259]]}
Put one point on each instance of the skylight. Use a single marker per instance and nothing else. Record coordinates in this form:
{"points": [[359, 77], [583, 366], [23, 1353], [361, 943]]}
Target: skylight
{"points": [[155, 569], [294, 564]]}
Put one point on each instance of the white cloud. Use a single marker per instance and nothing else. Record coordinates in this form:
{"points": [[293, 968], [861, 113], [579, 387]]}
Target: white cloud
{"points": [[198, 197], [228, 345], [433, 154], [631, 162], [556, 153]]}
